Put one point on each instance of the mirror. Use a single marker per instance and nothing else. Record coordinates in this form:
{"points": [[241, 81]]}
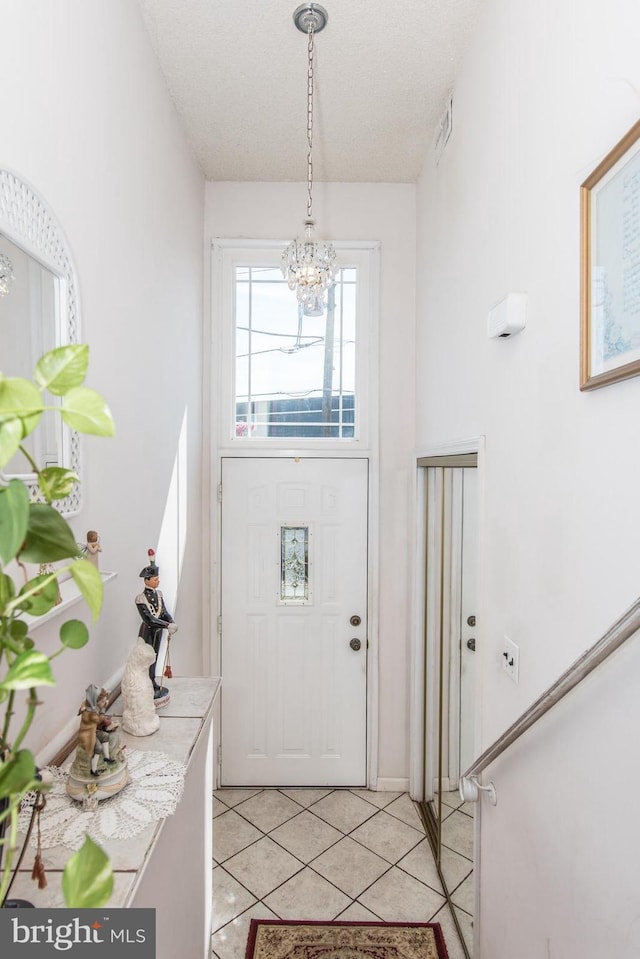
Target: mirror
{"points": [[38, 311], [29, 312], [450, 641]]}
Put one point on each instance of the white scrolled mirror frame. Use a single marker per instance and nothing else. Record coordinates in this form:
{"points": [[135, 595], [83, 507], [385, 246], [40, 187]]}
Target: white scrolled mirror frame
{"points": [[27, 221]]}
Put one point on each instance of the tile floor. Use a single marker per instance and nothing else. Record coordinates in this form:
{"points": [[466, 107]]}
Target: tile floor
{"points": [[332, 854]]}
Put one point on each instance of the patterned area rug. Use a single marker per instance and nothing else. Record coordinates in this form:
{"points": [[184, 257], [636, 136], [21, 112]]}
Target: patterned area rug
{"points": [[273, 939]]}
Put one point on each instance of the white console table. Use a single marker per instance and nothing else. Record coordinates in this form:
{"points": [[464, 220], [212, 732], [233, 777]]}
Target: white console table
{"points": [[167, 866]]}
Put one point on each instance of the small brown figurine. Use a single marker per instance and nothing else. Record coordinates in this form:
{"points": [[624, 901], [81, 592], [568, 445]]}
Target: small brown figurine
{"points": [[99, 769], [93, 547]]}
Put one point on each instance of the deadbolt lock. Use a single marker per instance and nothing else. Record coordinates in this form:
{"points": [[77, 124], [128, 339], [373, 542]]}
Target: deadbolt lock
{"points": [[355, 620], [355, 644], [471, 620]]}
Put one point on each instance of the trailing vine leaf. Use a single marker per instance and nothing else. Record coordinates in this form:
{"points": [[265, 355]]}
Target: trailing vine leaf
{"points": [[18, 773], [87, 880], [55, 482], [29, 669], [10, 438], [49, 536], [62, 369], [85, 410], [74, 634], [37, 533], [43, 599], [89, 582], [7, 590], [21, 398], [18, 629], [14, 516]]}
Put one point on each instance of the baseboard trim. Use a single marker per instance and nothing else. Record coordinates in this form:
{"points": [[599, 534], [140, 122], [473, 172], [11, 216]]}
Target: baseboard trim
{"points": [[446, 786], [392, 785]]}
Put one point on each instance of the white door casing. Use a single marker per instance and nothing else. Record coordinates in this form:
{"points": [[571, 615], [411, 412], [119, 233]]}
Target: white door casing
{"points": [[443, 664], [468, 630], [294, 698], [459, 490]]}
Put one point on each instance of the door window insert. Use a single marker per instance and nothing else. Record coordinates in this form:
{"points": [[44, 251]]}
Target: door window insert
{"points": [[295, 565]]}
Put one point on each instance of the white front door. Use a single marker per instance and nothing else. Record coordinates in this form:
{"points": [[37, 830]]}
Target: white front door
{"points": [[294, 621]]}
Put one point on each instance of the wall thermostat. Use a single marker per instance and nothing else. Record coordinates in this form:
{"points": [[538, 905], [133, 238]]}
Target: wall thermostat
{"points": [[508, 316]]}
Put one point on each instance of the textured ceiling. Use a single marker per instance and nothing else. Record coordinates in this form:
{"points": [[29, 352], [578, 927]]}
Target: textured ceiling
{"points": [[236, 70]]}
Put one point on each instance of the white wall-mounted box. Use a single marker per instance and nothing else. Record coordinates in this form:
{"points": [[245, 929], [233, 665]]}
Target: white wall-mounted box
{"points": [[508, 316]]}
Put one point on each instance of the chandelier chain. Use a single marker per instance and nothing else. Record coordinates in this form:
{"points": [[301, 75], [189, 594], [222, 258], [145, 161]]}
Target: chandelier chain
{"points": [[310, 121], [310, 265]]}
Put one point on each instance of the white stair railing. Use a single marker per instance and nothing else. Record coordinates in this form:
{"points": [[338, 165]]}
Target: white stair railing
{"points": [[616, 635]]}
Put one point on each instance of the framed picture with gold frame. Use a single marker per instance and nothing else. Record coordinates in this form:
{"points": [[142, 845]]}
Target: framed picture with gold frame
{"points": [[610, 266]]}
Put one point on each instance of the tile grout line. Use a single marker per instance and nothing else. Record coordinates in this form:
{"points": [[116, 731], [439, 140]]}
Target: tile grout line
{"points": [[348, 835], [344, 835], [295, 816], [342, 891], [260, 901]]}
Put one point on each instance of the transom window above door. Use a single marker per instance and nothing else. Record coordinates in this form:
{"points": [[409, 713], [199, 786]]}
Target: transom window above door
{"points": [[286, 374], [294, 373]]}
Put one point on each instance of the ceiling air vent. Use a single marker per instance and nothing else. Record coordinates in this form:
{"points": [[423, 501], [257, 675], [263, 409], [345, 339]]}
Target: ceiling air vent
{"points": [[443, 131]]}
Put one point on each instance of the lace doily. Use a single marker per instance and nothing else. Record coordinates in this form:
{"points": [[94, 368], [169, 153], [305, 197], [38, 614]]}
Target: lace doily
{"points": [[154, 791]]}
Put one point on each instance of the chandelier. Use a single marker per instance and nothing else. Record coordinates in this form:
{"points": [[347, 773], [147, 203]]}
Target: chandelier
{"points": [[6, 274], [309, 265]]}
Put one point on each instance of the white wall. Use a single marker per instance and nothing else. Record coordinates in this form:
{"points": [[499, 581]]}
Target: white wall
{"points": [[545, 91], [87, 121], [384, 212]]}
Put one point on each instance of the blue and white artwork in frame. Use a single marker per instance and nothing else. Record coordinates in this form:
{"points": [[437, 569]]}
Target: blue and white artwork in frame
{"points": [[610, 267]]}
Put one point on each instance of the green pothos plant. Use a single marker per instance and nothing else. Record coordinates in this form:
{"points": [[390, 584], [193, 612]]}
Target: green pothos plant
{"points": [[37, 533]]}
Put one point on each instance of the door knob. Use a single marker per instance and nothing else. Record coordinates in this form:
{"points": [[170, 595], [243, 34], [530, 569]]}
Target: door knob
{"points": [[355, 644], [355, 620], [471, 644]]}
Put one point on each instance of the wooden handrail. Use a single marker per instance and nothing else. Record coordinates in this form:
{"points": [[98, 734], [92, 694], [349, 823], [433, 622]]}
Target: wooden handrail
{"points": [[616, 635]]}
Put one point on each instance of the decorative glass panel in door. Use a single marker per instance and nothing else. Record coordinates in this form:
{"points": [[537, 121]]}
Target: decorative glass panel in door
{"points": [[294, 564]]}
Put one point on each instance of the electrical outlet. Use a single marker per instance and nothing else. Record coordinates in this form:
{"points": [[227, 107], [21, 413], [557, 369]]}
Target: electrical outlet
{"points": [[511, 659]]}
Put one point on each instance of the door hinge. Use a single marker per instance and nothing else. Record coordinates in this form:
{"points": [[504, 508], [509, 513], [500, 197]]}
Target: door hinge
{"points": [[219, 625], [219, 492]]}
